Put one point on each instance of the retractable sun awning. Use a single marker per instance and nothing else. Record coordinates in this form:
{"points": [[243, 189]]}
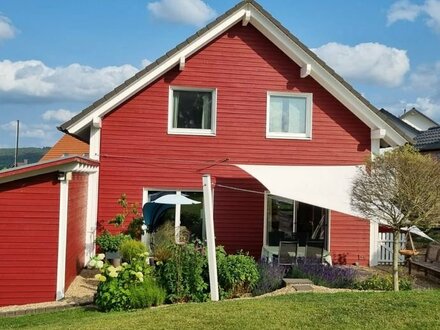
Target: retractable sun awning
{"points": [[324, 186]]}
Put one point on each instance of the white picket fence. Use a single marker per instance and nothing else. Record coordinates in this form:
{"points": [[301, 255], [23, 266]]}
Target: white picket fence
{"points": [[386, 248]]}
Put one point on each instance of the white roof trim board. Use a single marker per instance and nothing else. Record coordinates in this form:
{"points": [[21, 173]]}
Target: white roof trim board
{"points": [[328, 187], [260, 20]]}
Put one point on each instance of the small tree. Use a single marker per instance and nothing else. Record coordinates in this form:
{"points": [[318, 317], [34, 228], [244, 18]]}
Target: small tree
{"points": [[399, 188]]}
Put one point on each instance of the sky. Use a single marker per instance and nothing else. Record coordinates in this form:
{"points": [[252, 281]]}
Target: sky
{"points": [[58, 57]]}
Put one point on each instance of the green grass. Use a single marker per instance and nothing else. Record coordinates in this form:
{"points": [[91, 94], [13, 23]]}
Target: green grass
{"points": [[345, 310]]}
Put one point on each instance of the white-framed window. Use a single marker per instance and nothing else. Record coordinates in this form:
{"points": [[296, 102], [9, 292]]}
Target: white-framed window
{"points": [[289, 115], [192, 110]]}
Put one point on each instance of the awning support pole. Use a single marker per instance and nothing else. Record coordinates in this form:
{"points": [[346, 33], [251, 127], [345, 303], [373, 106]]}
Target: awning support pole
{"points": [[210, 237]]}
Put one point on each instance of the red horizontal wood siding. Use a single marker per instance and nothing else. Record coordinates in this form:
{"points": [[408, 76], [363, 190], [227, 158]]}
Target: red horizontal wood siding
{"points": [[76, 226], [350, 239], [243, 66], [29, 214]]}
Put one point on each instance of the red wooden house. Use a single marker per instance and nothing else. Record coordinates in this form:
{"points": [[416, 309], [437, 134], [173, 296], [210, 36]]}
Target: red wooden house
{"points": [[241, 91]]}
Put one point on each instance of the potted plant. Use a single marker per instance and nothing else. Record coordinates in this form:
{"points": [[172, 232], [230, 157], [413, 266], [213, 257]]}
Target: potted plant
{"points": [[110, 244]]}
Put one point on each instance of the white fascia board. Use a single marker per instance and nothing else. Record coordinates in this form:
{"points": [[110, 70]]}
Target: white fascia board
{"points": [[58, 168], [159, 70], [322, 76]]}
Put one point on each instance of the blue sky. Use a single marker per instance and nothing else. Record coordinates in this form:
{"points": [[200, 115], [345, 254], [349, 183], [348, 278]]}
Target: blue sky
{"points": [[57, 57]]}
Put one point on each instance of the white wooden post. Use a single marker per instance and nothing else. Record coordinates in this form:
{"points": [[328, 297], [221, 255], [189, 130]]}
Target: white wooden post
{"points": [[210, 237]]}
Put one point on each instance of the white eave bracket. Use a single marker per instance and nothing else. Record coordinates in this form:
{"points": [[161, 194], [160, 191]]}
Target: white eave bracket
{"points": [[378, 134], [97, 122], [246, 17], [182, 62], [306, 69]]}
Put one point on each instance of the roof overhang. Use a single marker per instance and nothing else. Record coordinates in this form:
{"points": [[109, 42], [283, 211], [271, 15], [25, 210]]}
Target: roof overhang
{"points": [[68, 164], [328, 187], [248, 12]]}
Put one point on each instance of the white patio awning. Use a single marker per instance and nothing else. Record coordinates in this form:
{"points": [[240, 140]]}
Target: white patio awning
{"points": [[324, 186]]}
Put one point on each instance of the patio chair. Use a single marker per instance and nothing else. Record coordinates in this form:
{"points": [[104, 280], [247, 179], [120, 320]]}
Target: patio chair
{"points": [[287, 253], [314, 250]]}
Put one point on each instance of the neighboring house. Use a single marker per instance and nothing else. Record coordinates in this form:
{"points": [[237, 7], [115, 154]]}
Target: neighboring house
{"points": [[406, 129], [65, 147], [418, 120], [246, 102], [429, 142]]}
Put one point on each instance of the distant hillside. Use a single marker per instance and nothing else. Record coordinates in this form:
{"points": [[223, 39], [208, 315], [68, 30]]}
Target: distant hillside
{"points": [[31, 154]]}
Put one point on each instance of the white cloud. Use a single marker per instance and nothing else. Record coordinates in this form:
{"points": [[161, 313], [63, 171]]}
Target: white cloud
{"points": [[427, 106], [371, 63], [7, 30], [406, 10], [426, 79], [38, 131], [403, 10], [60, 115], [32, 79], [192, 12]]}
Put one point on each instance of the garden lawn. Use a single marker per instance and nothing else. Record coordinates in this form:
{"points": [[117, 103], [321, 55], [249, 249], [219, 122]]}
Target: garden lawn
{"points": [[344, 310]]}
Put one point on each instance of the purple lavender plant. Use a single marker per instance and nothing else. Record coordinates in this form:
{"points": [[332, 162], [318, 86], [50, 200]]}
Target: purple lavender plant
{"points": [[271, 278], [330, 276]]}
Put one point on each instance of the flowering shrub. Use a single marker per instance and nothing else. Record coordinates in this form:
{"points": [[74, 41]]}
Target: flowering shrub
{"points": [[320, 274], [119, 286], [271, 278]]}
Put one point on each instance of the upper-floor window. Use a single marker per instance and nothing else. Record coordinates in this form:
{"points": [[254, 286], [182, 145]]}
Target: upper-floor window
{"points": [[192, 111], [289, 115]]}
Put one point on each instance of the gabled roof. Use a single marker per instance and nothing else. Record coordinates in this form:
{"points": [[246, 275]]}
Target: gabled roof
{"points": [[68, 164], [428, 140], [405, 129], [66, 146], [416, 112], [248, 12]]}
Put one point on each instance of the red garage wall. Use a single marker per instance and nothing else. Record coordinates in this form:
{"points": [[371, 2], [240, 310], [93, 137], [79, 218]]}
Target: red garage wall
{"points": [[76, 226], [29, 213]]}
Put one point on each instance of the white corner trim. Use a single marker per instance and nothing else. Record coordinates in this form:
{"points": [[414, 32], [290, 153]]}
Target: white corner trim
{"points": [[62, 239], [95, 143], [374, 244], [182, 63], [246, 17], [378, 133], [306, 70], [92, 215]]}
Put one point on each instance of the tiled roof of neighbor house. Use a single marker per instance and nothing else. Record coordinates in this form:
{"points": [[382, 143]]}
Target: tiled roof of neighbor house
{"points": [[414, 111], [409, 132], [199, 33], [66, 146], [428, 140]]}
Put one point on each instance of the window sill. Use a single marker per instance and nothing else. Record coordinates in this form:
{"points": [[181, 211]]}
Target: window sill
{"points": [[288, 137], [197, 132]]}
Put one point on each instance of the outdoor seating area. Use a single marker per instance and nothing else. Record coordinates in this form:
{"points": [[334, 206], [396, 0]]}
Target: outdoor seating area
{"points": [[431, 262], [290, 252]]}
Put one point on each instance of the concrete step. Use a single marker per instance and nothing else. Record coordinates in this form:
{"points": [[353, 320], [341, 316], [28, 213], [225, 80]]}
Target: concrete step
{"points": [[303, 287]]}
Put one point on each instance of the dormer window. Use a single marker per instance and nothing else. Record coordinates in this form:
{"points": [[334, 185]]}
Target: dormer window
{"points": [[289, 115], [192, 111]]}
